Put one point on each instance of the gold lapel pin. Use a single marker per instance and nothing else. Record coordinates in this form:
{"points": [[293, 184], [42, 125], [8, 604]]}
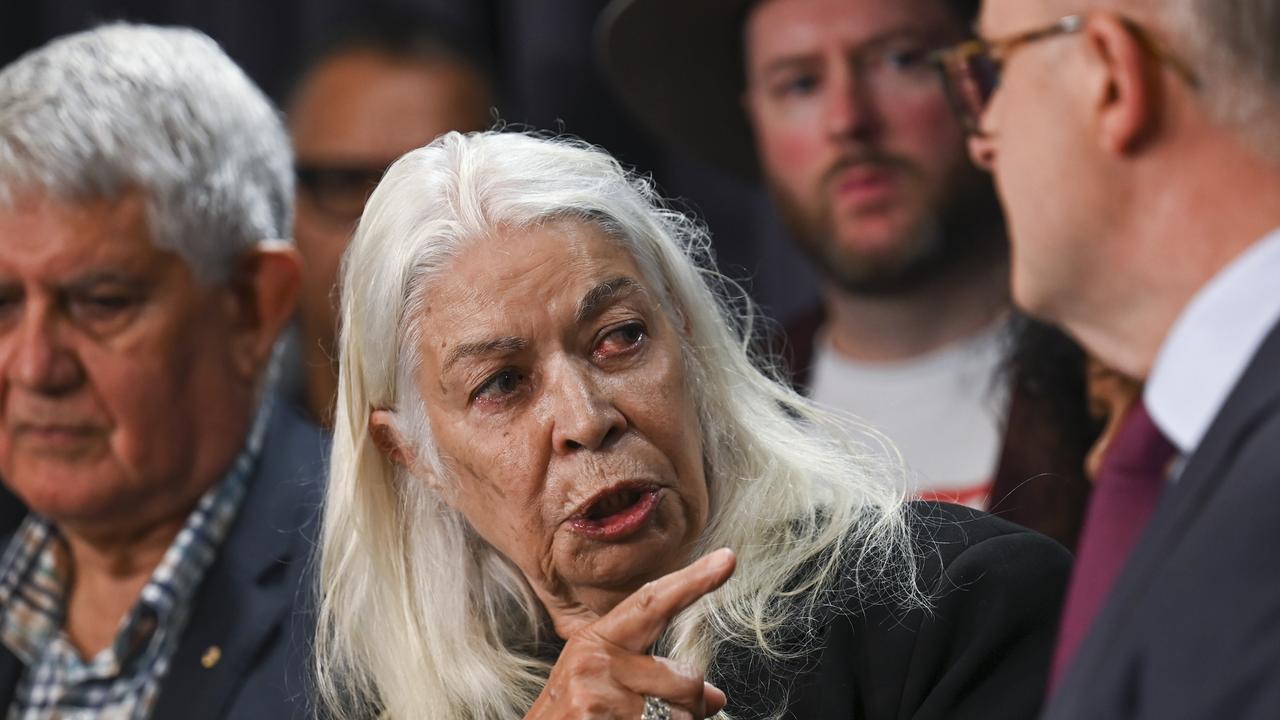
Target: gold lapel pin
{"points": [[211, 657]]}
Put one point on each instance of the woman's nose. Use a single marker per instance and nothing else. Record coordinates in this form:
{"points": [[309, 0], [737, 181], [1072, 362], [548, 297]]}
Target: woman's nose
{"points": [[584, 416]]}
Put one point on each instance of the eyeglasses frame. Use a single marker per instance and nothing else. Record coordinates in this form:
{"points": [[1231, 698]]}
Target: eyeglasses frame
{"points": [[953, 59]]}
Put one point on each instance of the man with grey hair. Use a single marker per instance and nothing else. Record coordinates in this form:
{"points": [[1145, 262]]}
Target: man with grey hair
{"points": [[1135, 147], [145, 186]]}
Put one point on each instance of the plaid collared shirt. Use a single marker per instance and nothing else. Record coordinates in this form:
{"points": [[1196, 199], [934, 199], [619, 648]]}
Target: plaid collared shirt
{"points": [[122, 681]]}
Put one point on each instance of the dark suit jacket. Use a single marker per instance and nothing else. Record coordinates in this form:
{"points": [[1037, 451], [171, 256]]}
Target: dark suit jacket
{"points": [[1192, 626], [981, 652], [251, 604]]}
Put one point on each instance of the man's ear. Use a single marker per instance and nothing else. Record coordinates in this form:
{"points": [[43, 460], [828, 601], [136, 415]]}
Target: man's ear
{"points": [[387, 438], [265, 289], [1127, 100]]}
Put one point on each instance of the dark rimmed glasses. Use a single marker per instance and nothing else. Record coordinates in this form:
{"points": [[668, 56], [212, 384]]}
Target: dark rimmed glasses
{"points": [[339, 191], [971, 70]]}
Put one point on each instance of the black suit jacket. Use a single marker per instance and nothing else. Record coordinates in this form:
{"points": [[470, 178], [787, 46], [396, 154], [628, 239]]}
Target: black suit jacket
{"points": [[1192, 626], [981, 653], [251, 605]]}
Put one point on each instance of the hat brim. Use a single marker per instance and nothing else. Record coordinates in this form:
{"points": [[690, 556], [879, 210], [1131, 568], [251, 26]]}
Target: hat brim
{"points": [[678, 67]]}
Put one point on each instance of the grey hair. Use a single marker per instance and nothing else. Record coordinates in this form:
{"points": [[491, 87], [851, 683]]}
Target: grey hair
{"points": [[164, 111], [420, 618], [1240, 43], [1233, 47]]}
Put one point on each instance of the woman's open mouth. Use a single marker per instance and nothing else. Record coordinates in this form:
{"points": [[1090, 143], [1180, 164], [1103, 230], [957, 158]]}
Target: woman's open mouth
{"points": [[617, 512]]}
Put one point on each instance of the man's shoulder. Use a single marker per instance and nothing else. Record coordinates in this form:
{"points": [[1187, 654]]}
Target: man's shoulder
{"points": [[294, 438], [1196, 606], [286, 490]]}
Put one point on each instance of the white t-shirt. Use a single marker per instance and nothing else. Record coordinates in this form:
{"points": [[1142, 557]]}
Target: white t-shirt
{"points": [[944, 411]]}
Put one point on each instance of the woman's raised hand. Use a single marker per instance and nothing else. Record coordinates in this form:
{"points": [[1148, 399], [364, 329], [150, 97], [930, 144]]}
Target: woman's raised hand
{"points": [[605, 671]]}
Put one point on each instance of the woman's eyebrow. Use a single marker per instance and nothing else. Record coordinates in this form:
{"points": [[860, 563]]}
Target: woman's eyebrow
{"points": [[603, 295], [496, 346]]}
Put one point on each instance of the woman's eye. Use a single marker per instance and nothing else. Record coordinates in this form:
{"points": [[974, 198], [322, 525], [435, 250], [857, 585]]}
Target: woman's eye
{"points": [[501, 384], [621, 339]]}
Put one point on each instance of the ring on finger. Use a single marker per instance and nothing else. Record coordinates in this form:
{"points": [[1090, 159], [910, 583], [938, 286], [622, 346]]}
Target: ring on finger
{"points": [[655, 709]]}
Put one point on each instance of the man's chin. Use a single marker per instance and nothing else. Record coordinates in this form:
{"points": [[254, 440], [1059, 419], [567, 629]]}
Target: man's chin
{"points": [[883, 255], [870, 255], [884, 271], [76, 504], [1031, 298]]}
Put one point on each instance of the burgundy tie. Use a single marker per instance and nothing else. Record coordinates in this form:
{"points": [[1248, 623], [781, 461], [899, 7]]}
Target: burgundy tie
{"points": [[1133, 472]]}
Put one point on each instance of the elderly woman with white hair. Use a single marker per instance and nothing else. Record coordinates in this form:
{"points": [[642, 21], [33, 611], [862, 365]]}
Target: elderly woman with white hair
{"points": [[562, 487]]}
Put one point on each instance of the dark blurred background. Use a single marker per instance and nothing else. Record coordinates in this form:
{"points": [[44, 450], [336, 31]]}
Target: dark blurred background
{"points": [[544, 63]]}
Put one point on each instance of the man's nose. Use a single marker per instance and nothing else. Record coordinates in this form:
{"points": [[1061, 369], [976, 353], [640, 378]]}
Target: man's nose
{"points": [[848, 105], [584, 415], [37, 358]]}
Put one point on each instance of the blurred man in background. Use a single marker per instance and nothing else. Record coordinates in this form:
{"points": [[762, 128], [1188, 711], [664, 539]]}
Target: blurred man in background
{"points": [[837, 105], [386, 87], [145, 188], [1136, 146]]}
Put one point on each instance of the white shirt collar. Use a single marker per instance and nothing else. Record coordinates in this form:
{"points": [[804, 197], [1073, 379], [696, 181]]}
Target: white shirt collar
{"points": [[1212, 342]]}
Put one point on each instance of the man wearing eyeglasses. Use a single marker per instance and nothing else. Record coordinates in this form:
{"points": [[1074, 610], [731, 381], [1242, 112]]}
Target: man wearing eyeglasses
{"points": [[1137, 149], [835, 105], [380, 89]]}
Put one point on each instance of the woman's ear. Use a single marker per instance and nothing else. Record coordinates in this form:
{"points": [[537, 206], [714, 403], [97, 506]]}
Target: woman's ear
{"points": [[387, 438], [382, 428]]}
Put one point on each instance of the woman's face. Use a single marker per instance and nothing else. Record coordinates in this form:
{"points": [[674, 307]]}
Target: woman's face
{"points": [[557, 396]]}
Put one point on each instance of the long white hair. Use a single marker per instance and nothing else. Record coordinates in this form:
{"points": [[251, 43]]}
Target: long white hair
{"points": [[420, 618]]}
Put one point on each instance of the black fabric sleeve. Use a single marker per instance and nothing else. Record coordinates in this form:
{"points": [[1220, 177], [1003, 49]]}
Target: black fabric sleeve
{"points": [[981, 651], [985, 650]]}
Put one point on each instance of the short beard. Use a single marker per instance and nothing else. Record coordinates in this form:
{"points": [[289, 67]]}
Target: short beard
{"points": [[963, 231]]}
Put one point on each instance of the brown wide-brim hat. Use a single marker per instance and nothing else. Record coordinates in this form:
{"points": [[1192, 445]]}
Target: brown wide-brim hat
{"points": [[678, 66]]}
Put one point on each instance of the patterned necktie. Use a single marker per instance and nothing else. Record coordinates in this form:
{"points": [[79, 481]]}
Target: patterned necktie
{"points": [[1132, 474]]}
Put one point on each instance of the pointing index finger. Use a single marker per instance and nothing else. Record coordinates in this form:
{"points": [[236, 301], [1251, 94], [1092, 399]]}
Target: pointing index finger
{"points": [[637, 621]]}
